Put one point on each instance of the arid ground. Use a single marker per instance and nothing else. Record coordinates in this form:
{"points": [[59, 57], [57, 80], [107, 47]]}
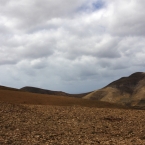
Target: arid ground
{"points": [[70, 125], [40, 119]]}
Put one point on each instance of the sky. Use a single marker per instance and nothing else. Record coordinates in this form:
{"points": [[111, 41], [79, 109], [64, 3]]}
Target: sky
{"points": [[72, 46]]}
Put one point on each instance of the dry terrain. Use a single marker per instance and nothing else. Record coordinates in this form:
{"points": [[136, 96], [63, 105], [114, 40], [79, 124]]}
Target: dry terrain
{"points": [[41, 119], [19, 97], [70, 125]]}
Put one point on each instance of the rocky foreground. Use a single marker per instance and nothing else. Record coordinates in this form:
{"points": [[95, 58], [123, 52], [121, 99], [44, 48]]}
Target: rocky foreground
{"points": [[70, 125]]}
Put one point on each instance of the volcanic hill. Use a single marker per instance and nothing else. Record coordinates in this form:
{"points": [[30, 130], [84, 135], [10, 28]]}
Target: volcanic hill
{"points": [[50, 92], [128, 91], [16, 96]]}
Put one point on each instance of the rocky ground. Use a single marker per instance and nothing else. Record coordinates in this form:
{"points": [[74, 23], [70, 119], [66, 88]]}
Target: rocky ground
{"points": [[70, 125]]}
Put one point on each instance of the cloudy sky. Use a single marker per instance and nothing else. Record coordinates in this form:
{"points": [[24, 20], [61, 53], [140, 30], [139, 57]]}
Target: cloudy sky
{"points": [[73, 46]]}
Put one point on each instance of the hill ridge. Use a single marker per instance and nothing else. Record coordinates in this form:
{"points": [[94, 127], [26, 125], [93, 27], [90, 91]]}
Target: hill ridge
{"points": [[51, 92], [126, 90]]}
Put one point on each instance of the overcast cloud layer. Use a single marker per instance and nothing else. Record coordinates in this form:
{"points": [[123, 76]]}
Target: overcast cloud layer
{"points": [[74, 46]]}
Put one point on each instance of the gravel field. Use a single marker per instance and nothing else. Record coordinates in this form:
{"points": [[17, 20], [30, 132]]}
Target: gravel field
{"points": [[70, 125]]}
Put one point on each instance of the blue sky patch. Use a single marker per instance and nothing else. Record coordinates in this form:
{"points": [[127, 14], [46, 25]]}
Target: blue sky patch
{"points": [[96, 5], [99, 4]]}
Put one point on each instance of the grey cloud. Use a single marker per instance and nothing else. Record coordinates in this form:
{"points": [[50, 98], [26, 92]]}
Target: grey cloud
{"points": [[127, 18], [20, 47], [37, 51], [103, 46], [3, 2], [29, 14], [86, 66], [39, 63], [108, 53], [7, 61], [109, 50], [25, 68], [4, 30], [7, 57], [132, 47]]}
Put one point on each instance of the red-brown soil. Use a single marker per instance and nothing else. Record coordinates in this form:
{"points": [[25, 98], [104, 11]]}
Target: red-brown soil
{"points": [[18, 97], [70, 125]]}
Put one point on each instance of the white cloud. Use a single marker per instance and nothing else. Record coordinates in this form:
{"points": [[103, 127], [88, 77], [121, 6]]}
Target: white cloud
{"points": [[127, 18], [80, 45]]}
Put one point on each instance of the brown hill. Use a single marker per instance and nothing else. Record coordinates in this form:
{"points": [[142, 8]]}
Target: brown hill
{"points": [[50, 92], [8, 88], [128, 91], [19, 97]]}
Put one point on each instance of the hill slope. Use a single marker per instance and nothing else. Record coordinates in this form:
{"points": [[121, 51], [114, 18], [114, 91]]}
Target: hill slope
{"points": [[8, 88], [128, 91], [50, 92], [19, 97]]}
